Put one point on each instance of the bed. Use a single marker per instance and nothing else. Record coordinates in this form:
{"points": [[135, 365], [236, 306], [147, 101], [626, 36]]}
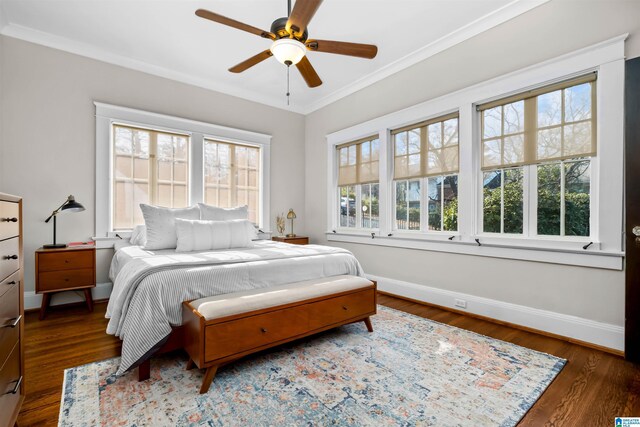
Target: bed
{"points": [[150, 286]]}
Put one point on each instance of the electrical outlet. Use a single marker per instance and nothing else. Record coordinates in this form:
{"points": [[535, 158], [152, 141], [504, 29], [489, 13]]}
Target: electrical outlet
{"points": [[460, 303]]}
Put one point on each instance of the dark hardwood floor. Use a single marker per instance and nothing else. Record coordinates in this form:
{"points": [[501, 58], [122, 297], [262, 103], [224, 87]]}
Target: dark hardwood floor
{"points": [[592, 389]]}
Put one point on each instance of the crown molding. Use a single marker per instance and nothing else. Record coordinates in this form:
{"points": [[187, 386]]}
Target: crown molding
{"points": [[480, 25], [90, 51], [484, 23]]}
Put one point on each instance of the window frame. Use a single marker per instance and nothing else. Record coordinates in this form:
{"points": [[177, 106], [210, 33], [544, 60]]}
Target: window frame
{"points": [[606, 248], [107, 115]]}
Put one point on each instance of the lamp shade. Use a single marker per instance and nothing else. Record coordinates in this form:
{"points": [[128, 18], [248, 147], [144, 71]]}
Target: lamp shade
{"points": [[288, 50], [291, 214], [71, 205]]}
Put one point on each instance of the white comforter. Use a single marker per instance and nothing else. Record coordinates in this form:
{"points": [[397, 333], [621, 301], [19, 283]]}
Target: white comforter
{"points": [[150, 286]]}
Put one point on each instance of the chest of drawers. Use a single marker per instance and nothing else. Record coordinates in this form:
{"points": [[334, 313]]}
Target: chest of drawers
{"points": [[11, 310]]}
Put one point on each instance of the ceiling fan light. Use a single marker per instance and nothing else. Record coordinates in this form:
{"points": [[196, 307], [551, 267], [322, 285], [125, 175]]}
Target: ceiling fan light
{"points": [[288, 50]]}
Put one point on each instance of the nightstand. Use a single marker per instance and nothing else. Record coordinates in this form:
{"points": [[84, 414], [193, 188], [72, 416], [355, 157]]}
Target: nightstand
{"points": [[298, 240], [65, 269]]}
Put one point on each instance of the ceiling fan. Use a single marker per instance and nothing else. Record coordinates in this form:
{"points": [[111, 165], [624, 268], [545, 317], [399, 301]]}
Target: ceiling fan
{"points": [[290, 40]]}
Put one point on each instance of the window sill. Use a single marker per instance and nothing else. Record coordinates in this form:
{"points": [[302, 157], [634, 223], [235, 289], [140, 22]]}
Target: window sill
{"points": [[537, 250]]}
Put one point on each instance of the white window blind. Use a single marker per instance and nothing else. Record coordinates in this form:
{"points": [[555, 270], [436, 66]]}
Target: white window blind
{"points": [[426, 149], [358, 161], [556, 122]]}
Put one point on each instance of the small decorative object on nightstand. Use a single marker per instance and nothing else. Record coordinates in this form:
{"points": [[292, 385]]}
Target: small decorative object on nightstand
{"points": [[291, 215], [280, 224], [297, 240], [65, 269]]}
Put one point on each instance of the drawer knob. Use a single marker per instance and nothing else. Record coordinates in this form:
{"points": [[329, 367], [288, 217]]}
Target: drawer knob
{"points": [[13, 323], [66, 261], [10, 257], [344, 307], [14, 219], [16, 388], [264, 331], [13, 282]]}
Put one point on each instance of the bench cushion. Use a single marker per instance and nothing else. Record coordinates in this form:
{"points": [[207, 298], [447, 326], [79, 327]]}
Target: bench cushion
{"points": [[256, 299]]}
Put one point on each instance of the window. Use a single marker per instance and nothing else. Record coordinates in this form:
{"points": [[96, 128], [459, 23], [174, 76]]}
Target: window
{"points": [[358, 187], [545, 137], [535, 176], [232, 176], [149, 166], [425, 175], [145, 157]]}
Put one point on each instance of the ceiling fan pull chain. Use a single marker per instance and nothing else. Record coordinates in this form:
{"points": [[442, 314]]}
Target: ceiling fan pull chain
{"points": [[288, 68]]}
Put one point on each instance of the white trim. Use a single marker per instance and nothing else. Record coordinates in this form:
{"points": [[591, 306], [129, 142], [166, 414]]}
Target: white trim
{"points": [[482, 24], [607, 58], [33, 300], [90, 51], [459, 245], [599, 333], [107, 114]]}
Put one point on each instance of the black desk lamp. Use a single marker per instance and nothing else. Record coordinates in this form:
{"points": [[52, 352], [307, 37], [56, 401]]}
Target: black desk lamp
{"points": [[70, 205]]}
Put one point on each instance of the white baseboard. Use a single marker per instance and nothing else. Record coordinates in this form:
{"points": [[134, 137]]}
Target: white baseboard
{"points": [[33, 300], [602, 334]]}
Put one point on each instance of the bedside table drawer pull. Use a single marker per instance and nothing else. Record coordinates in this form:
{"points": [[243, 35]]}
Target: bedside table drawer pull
{"points": [[13, 282], [14, 323], [16, 388], [344, 307], [14, 219], [264, 331], [7, 257]]}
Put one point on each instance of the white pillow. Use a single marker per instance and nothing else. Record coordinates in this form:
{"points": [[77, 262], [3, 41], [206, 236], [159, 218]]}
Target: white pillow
{"points": [[139, 235], [206, 235], [161, 227], [214, 213]]}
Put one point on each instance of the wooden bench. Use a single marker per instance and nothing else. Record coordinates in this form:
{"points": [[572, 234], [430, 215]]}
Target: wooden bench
{"points": [[221, 329]]}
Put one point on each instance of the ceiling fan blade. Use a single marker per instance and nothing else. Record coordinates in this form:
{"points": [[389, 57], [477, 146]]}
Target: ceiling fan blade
{"points": [[202, 13], [256, 59], [300, 16], [368, 51], [309, 74]]}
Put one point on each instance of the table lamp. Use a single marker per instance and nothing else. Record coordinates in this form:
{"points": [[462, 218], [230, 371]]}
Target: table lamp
{"points": [[291, 215], [70, 205]]}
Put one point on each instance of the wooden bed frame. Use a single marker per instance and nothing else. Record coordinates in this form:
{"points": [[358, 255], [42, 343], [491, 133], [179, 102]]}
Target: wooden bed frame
{"points": [[177, 338]]}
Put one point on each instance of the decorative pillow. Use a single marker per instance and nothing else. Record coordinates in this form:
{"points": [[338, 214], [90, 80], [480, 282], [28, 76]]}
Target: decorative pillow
{"points": [[214, 213], [139, 236], [161, 226], [206, 235]]}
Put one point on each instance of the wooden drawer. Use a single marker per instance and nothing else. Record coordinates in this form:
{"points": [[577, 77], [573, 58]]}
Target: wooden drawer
{"points": [[9, 282], [339, 309], [9, 219], [9, 312], [237, 336], [9, 377], [65, 260], [65, 279], [8, 250]]}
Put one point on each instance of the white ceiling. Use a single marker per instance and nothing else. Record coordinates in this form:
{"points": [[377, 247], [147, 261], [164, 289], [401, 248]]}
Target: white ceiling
{"points": [[164, 37]]}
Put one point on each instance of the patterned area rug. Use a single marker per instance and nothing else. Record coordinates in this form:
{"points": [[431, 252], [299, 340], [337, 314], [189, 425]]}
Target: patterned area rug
{"points": [[409, 371]]}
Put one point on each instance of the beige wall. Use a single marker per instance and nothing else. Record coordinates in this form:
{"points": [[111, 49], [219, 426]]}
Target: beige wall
{"points": [[550, 30], [48, 135]]}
